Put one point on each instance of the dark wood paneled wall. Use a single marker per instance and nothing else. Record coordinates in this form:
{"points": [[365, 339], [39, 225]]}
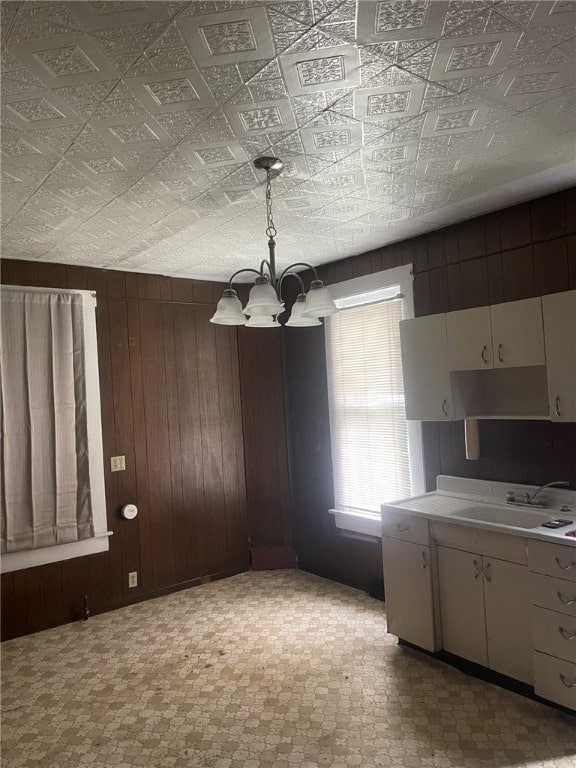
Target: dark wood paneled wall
{"points": [[171, 403], [520, 252]]}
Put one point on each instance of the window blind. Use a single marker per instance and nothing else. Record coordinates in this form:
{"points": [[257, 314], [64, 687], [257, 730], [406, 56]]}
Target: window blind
{"points": [[366, 396]]}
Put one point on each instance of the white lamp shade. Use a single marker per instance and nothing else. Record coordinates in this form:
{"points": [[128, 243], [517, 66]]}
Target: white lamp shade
{"points": [[319, 303], [297, 319], [229, 310], [263, 301], [262, 321]]}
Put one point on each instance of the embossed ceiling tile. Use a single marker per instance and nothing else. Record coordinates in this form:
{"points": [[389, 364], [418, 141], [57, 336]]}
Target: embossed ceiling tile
{"points": [[473, 56], [383, 21], [332, 139], [228, 38], [171, 91], [286, 145], [38, 20], [376, 104], [388, 154], [179, 124], [225, 74], [64, 61], [132, 133], [113, 13], [19, 81], [8, 63], [214, 155], [268, 90], [323, 70], [214, 129], [259, 70], [307, 107]]}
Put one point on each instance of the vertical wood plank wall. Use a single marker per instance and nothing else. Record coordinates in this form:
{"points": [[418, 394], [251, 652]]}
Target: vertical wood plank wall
{"points": [[524, 251], [171, 403], [204, 428]]}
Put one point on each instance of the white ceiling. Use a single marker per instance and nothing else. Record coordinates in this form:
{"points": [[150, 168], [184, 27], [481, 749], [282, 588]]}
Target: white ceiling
{"points": [[129, 128]]}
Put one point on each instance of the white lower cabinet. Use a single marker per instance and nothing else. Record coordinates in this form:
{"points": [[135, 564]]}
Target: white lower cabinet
{"points": [[408, 592], [553, 587], [485, 611], [409, 579], [499, 600]]}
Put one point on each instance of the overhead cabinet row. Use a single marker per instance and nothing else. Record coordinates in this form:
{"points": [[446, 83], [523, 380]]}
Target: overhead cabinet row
{"points": [[513, 360]]}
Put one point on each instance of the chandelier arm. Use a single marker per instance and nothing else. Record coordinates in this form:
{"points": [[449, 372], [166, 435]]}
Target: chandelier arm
{"points": [[290, 274], [239, 272], [299, 264]]}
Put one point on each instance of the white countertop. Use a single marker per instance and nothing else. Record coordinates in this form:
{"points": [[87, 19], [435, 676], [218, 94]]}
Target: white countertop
{"points": [[456, 494]]}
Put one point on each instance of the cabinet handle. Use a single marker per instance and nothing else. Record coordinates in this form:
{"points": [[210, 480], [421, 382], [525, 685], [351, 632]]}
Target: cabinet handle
{"points": [[484, 355], [557, 405], [565, 634], [402, 529], [564, 567], [485, 573], [567, 682], [500, 353], [424, 561], [478, 571], [444, 408], [564, 600]]}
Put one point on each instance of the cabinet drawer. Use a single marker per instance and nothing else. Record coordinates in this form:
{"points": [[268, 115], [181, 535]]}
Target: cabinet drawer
{"points": [[555, 680], [397, 525], [556, 594], [554, 633], [557, 560]]}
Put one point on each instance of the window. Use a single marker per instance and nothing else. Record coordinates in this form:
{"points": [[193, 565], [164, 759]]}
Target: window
{"points": [[376, 453], [53, 500]]}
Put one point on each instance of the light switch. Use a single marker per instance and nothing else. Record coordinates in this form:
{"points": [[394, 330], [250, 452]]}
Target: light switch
{"points": [[117, 463]]}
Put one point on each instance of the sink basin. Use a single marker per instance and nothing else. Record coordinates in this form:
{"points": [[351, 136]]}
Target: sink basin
{"points": [[510, 516]]}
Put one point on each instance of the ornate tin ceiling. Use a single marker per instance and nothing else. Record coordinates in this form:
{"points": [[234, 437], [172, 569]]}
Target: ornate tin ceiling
{"points": [[129, 128]]}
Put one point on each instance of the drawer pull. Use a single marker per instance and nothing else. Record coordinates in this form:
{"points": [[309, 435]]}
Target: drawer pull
{"points": [[424, 561], [565, 634], [484, 354], [500, 353], [478, 570], [565, 601], [402, 529], [557, 406], [444, 408], [567, 682], [564, 567]]}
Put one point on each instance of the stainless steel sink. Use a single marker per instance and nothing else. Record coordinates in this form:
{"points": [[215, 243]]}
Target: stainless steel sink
{"points": [[511, 517]]}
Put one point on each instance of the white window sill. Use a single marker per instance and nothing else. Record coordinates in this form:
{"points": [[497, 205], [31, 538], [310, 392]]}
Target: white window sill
{"points": [[16, 561], [369, 523]]}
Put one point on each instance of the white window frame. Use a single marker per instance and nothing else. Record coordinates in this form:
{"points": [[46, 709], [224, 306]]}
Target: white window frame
{"points": [[16, 561], [371, 289]]}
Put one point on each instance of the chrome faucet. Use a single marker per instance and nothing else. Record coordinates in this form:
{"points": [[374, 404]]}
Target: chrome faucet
{"points": [[527, 499]]}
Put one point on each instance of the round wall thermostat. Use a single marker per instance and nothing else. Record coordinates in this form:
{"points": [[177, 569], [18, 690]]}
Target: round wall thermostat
{"points": [[129, 511]]}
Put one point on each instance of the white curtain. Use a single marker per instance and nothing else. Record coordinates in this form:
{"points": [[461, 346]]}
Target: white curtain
{"points": [[45, 471]]}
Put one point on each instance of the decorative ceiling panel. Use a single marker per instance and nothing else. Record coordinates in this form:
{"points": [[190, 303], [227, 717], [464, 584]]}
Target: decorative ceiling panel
{"points": [[130, 128]]}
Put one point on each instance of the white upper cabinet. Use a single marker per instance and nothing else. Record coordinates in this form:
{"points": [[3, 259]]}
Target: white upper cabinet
{"points": [[469, 339], [427, 389], [518, 333], [559, 311]]}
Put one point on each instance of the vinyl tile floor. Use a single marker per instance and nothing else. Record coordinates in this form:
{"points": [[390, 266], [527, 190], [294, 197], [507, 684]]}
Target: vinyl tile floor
{"points": [[273, 669]]}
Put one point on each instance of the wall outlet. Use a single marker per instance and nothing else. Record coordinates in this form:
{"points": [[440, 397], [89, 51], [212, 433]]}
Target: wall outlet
{"points": [[117, 463], [133, 579]]}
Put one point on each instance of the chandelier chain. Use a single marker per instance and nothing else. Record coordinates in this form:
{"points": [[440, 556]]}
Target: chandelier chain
{"points": [[270, 229]]}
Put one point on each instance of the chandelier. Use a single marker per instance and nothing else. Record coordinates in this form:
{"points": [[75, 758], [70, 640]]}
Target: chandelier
{"points": [[265, 299]]}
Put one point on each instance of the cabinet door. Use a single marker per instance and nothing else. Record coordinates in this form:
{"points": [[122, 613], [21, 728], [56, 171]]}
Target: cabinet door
{"points": [[425, 367], [508, 618], [408, 592], [559, 310], [518, 333], [462, 604], [469, 339]]}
